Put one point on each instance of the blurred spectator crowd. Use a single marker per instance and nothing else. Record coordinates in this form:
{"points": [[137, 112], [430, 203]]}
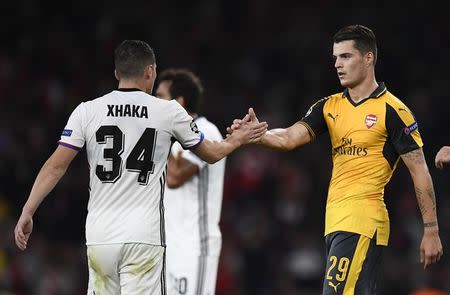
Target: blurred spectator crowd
{"points": [[272, 55]]}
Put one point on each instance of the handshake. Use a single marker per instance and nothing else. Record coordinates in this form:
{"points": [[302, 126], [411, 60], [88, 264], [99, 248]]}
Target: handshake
{"points": [[248, 129]]}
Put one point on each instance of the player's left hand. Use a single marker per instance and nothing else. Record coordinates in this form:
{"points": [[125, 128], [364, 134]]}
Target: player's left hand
{"points": [[252, 126], [237, 124], [23, 231], [430, 248], [250, 117]]}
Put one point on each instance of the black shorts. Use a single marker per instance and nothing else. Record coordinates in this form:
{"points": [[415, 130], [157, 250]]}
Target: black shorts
{"points": [[353, 264]]}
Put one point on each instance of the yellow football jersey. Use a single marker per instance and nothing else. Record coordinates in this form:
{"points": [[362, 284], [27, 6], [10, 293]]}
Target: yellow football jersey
{"points": [[367, 139]]}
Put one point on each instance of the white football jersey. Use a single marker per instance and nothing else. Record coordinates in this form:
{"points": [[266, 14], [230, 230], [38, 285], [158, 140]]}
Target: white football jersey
{"points": [[193, 209], [128, 135]]}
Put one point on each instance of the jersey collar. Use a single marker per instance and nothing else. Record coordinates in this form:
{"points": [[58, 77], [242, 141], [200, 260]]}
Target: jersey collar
{"points": [[128, 89], [381, 89]]}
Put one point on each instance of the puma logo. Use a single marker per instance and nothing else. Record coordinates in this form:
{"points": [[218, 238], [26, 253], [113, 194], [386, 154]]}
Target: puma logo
{"points": [[333, 286], [403, 109], [332, 117]]}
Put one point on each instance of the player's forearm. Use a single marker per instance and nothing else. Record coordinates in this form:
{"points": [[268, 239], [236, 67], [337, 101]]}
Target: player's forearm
{"points": [[48, 177], [213, 151], [277, 139], [423, 185], [426, 198]]}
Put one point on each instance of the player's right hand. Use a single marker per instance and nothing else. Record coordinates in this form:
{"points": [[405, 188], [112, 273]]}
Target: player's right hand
{"points": [[23, 231]]}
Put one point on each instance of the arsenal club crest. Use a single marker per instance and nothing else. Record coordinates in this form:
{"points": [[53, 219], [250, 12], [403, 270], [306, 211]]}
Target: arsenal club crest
{"points": [[371, 120]]}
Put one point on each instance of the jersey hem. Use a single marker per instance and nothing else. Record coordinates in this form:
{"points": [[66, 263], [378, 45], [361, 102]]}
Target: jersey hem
{"points": [[70, 146], [412, 149], [311, 132], [374, 235], [202, 137]]}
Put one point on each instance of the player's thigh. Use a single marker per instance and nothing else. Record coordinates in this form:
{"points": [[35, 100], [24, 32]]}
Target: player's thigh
{"points": [[353, 263], [142, 269], [103, 269], [191, 275]]}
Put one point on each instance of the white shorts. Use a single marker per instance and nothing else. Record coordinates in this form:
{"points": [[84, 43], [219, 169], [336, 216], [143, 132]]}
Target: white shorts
{"points": [[191, 275], [126, 269]]}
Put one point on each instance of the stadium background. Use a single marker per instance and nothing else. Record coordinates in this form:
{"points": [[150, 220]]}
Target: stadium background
{"points": [[272, 55]]}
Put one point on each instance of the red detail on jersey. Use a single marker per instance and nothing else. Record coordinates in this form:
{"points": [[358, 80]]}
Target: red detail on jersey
{"points": [[371, 120]]}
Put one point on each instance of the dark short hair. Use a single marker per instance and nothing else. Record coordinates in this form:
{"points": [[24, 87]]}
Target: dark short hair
{"points": [[186, 84], [131, 57], [364, 38]]}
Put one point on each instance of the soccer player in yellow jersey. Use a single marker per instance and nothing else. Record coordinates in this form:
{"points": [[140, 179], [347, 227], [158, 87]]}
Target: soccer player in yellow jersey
{"points": [[370, 130], [442, 157]]}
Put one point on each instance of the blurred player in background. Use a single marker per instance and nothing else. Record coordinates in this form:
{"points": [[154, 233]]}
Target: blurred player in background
{"points": [[193, 198], [127, 134], [428, 291], [370, 130], [442, 157]]}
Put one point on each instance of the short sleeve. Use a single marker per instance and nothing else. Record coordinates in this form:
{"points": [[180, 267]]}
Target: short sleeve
{"points": [[402, 129], [314, 120], [73, 134], [184, 128]]}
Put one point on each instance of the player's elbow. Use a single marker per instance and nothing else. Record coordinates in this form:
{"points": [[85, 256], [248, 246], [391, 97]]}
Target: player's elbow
{"points": [[173, 182], [55, 168], [420, 172], [287, 146], [175, 179]]}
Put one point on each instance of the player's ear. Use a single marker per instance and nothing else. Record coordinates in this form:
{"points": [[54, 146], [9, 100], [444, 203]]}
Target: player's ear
{"points": [[116, 74], [369, 58], [150, 71]]}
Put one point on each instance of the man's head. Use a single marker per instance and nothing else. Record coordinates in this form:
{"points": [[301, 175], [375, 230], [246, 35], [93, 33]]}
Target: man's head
{"points": [[182, 85], [355, 54], [135, 61]]}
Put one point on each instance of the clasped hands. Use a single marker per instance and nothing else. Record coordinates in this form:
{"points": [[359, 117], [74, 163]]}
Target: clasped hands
{"points": [[249, 128]]}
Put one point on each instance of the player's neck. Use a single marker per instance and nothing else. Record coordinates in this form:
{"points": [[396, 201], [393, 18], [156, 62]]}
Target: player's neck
{"points": [[126, 84], [363, 90]]}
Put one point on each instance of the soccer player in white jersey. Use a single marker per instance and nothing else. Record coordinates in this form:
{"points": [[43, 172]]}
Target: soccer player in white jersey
{"points": [[127, 134], [193, 198]]}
